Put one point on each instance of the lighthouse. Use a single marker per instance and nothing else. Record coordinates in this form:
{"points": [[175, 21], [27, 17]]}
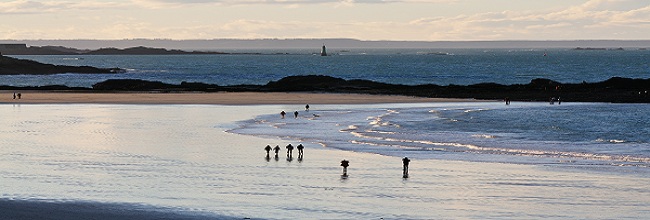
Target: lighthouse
{"points": [[323, 51]]}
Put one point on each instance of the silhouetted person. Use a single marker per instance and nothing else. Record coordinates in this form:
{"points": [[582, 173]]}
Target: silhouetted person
{"points": [[289, 150], [345, 164], [276, 149], [406, 162], [300, 147], [268, 150], [295, 114], [19, 95], [282, 113], [14, 95], [307, 107]]}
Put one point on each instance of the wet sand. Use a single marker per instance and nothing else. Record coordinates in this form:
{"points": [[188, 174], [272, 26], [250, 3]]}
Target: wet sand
{"points": [[45, 210], [222, 98], [173, 162]]}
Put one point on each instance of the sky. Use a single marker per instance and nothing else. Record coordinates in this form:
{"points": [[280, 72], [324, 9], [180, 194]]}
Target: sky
{"points": [[398, 20]]}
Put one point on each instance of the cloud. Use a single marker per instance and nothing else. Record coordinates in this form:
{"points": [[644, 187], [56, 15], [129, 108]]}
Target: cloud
{"points": [[36, 7], [176, 3], [595, 19]]}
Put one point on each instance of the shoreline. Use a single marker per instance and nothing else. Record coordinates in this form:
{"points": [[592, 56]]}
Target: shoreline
{"points": [[219, 98], [156, 157]]}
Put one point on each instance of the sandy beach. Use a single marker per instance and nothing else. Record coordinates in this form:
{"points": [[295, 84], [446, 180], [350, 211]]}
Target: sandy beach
{"points": [[221, 98], [168, 161]]}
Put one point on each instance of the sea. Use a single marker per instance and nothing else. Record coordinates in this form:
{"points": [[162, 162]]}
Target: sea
{"points": [[397, 66], [470, 160]]}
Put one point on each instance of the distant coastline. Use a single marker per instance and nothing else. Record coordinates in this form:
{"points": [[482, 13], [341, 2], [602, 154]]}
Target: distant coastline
{"points": [[332, 43], [23, 49]]}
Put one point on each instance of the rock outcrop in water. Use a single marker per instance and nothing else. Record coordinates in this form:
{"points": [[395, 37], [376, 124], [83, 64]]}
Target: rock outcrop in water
{"points": [[617, 90], [13, 66]]}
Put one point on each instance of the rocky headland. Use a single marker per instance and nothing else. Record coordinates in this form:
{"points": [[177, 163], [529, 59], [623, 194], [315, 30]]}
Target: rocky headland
{"points": [[14, 66]]}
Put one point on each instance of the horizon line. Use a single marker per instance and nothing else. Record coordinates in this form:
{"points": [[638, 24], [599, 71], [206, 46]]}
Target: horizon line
{"points": [[353, 39]]}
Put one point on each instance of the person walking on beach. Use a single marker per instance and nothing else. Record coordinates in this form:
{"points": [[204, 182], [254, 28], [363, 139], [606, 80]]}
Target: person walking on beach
{"points": [[276, 149], [406, 162], [289, 151], [19, 95], [307, 107], [282, 113], [300, 147], [345, 164], [295, 114], [14, 95], [268, 150]]}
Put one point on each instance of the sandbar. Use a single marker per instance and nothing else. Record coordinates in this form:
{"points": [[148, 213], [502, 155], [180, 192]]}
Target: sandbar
{"points": [[222, 98]]}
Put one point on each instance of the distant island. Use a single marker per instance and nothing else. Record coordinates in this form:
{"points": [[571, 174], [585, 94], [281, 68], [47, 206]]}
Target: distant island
{"points": [[14, 66], [23, 49]]}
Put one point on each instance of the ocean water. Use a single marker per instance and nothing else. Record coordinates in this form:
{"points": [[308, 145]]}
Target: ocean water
{"points": [[594, 136], [148, 160], [406, 66]]}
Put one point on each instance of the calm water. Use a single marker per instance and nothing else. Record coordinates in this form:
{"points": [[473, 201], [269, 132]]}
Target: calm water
{"points": [[410, 67], [179, 157]]}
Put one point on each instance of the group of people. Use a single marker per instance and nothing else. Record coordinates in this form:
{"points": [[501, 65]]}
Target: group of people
{"points": [[289, 148], [344, 163], [295, 114], [18, 95]]}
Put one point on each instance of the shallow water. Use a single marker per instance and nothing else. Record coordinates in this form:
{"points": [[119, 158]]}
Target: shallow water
{"points": [[180, 157], [589, 135]]}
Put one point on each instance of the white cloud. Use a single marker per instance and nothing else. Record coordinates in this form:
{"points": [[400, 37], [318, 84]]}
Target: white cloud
{"points": [[35, 7], [177, 3], [594, 19]]}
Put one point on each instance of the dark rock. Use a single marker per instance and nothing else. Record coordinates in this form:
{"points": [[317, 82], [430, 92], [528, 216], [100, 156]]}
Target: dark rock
{"points": [[13, 66], [132, 85], [620, 90]]}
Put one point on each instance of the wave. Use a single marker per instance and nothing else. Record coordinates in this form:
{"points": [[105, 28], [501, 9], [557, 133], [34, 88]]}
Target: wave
{"points": [[470, 148], [486, 136], [391, 132], [613, 141]]}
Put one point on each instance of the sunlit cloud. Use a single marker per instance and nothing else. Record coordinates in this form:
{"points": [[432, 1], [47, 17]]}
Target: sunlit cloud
{"points": [[33, 7], [176, 3], [595, 19], [119, 19]]}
